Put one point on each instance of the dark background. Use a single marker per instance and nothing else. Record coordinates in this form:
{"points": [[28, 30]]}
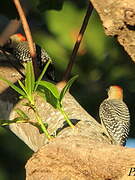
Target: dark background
{"points": [[101, 62]]}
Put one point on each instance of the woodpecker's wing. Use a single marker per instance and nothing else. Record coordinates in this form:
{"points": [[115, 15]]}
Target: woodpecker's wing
{"points": [[114, 115], [21, 53]]}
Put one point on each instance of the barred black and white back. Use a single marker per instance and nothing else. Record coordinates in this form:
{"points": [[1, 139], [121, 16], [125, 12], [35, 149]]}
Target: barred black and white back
{"points": [[20, 51], [115, 119]]}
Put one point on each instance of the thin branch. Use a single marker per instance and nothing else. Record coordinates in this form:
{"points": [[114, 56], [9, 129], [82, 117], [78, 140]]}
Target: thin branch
{"points": [[78, 41], [10, 29], [28, 34]]}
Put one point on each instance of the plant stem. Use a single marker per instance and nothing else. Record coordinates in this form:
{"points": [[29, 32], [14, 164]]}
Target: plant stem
{"points": [[39, 120], [66, 117]]}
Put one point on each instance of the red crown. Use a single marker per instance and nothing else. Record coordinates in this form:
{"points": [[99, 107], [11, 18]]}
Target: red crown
{"points": [[21, 37]]}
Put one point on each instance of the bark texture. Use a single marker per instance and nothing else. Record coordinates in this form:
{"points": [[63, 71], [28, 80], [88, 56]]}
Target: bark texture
{"points": [[78, 158], [118, 18]]}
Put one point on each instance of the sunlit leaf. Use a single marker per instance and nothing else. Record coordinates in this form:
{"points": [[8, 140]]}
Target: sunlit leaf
{"points": [[51, 99], [51, 87], [8, 122], [67, 86], [21, 113], [22, 86], [30, 78], [42, 74], [17, 89]]}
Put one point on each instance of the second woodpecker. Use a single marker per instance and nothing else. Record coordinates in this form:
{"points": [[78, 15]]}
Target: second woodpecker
{"points": [[18, 47], [114, 115]]}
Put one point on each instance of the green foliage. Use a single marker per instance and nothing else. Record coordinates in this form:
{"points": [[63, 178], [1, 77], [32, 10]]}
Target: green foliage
{"points": [[22, 114], [50, 91], [53, 96], [8, 8], [67, 87], [20, 91], [42, 74], [29, 79], [26, 91]]}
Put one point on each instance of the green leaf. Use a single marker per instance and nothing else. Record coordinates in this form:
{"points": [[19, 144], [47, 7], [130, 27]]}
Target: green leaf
{"points": [[17, 89], [8, 122], [51, 87], [51, 99], [4, 122], [21, 114], [22, 86], [30, 78], [42, 74], [67, 87]]}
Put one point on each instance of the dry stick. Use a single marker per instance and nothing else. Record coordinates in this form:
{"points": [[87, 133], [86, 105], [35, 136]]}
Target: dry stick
{"points": [[28, 35], [78, 41]]}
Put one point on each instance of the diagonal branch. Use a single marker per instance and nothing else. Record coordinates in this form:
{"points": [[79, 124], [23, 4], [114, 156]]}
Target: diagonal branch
{"points": [[28, 34], [77, 43]]}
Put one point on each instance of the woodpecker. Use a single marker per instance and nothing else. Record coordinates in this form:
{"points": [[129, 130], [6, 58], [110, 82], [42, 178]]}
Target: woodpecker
{"points": [[114, 116], [18, 47]]}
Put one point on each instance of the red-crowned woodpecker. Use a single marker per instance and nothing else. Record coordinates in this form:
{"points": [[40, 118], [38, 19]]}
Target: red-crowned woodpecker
{"points": [[18, 47], [114, 116]]}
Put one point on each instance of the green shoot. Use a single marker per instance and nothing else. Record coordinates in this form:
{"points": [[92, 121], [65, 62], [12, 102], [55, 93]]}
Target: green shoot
{"points": [[42, 74], [53, 96], [13, 86], [50, 91]]}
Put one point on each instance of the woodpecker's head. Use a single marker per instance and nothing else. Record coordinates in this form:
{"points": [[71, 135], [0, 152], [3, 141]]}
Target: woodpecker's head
{"points": [[14, 40], [115, 92]]}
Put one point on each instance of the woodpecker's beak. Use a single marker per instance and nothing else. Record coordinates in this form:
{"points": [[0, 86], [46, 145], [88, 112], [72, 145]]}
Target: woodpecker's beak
{"points": [[6, 46], [107, 89]]}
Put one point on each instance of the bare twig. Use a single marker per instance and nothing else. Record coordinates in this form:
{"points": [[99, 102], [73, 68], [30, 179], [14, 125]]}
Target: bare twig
{"points": [[77, 43], [28, 34], [10, 29]]}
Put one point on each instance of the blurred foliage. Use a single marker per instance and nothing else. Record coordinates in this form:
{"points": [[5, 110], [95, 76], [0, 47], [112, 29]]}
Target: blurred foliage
{"points": [[8, 9], [100, 62]]}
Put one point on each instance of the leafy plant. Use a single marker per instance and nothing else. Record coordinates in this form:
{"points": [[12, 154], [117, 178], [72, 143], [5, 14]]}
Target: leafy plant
{"points": [[26, 90], [54, 97], [46, 89]]}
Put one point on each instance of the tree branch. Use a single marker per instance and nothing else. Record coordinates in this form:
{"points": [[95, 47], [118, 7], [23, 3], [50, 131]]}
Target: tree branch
{"points": [[77, 43], [78, 158], [120, 24], [28, 35]]}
